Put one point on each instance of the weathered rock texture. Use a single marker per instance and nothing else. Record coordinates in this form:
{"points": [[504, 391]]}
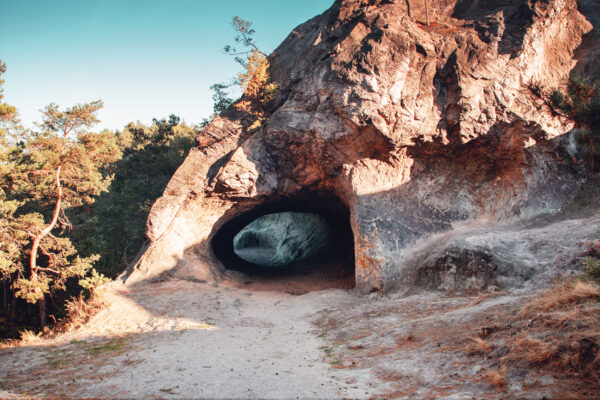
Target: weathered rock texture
{"points": [[420, 130], [280, 239]]}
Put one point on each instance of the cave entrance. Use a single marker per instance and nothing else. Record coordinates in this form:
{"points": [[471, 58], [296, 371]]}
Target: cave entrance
{"points": [[332, 268]]}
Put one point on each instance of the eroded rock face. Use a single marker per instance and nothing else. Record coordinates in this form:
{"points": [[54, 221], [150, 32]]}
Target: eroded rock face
{"points": [[424, 132], [280, 239]]}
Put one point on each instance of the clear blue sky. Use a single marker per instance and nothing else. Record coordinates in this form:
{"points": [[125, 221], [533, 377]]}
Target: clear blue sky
{"points": [[143, 58]]}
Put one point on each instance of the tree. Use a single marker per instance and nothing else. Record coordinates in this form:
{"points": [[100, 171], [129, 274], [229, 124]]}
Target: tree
{"points": [[59, 168], [59, 226], [221, 100], [151, 154], [7, 112], [9, 246], [244, 37], [254, 80], [257, 89]]}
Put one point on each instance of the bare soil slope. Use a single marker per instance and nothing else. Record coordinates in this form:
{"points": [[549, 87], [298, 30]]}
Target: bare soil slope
{"points": [[178, 339]]}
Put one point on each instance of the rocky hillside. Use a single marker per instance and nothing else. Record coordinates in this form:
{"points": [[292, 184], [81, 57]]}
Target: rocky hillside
{"points": [[427, 139]]}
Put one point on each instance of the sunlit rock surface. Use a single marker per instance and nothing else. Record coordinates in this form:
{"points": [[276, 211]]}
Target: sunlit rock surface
{"points": [[424, 132], [278, 240]]}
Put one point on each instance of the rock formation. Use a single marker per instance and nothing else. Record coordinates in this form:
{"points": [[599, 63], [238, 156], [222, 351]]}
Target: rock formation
{"points": [[280, 239], [451, 168]]}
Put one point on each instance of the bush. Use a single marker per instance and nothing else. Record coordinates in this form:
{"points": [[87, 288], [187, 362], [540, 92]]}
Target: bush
{"points": [[592, 268], [581, 104]]}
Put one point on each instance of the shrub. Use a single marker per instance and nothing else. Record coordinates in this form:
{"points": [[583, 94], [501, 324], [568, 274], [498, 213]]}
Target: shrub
{"points": [[581, 103], [592, 268], [254, 81]]}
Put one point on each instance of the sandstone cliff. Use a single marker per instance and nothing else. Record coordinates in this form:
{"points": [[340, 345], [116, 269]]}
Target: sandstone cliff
{"points": [[450, 168]]}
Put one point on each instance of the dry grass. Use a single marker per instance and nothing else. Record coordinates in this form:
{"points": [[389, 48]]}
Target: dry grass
{"points": [[562, 319], [80, 311], [27, 338], [478, 346], [495, 377], [561, 295], [539, 352], [564, 330], [569, 353], [557, 332], [485, 297]]}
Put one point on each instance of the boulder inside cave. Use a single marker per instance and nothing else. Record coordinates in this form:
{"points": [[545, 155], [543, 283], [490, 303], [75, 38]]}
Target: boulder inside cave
{"points": [[292, 245], [281, 239]]}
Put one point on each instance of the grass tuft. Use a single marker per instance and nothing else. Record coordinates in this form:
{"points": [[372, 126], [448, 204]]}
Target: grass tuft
{"points": [[570, 292], [478, 346], [112, 346], [496, 377], [80, 311]]}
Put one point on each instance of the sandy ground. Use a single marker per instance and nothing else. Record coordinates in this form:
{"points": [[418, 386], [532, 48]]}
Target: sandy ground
{"points": [[178, 339]]}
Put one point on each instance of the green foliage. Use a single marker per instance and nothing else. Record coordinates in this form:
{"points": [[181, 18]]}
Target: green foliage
{"points": [[80, 199], [592, 268], [557, 98], [72, 119], [94, 280], [7, 112], [254, 80], [51, 172], [244, 37], [109, 181], [44, 175], [589, 148], [220, 97], [584, 101], [581, 103], [114, 226]]}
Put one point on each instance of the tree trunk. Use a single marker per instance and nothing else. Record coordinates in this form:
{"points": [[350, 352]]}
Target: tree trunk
{"points": [[5, 296], [36, 245], [42, 312], [427, 12], [46, 230]]}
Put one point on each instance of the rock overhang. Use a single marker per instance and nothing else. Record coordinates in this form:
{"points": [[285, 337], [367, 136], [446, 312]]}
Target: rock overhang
{"points": [[416, 128]]}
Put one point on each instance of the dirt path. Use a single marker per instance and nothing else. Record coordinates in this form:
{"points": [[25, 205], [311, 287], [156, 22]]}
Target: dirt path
{"points": [[179, 339]]}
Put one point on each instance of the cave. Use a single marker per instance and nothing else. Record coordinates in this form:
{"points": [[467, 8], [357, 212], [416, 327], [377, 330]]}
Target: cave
{"points": [[331, 268]]}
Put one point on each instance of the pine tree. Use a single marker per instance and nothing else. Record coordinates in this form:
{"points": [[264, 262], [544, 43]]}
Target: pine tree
{"points": [[56, 169], [10, 247], [7, 112], [151, 154], [64, 167], [254, 80]]}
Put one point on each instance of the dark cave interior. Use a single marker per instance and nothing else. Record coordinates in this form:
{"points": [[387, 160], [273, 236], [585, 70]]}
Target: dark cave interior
{"points": [[333, 268]]}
